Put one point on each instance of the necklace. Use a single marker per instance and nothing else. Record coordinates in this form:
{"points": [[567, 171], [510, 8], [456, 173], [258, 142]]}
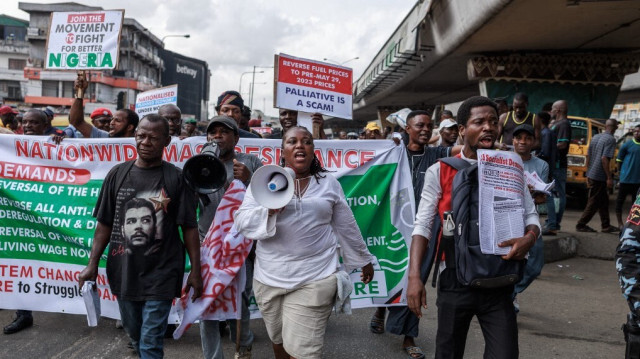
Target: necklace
{"points": [[521, 122], [299, 190]]}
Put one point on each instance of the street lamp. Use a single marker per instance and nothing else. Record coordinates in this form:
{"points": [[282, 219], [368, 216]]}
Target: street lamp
{"points": [[340, 63], [244, 73], [253, 79], [185, 36]]}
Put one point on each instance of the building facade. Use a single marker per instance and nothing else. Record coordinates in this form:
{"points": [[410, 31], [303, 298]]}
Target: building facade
{"points": [[139, 65], [14, 52], [192, 77]]}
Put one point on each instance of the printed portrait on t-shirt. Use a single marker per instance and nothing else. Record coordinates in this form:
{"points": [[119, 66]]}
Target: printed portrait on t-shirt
{"points": [[140, 222], [139, 227]]}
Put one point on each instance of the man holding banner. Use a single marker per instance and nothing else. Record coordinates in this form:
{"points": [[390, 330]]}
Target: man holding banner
{"points": [[224, 131], [34, 123], [146, 275]]}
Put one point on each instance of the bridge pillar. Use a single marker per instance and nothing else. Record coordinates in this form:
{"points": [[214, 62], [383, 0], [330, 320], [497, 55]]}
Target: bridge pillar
{"points": [[590, 82]]}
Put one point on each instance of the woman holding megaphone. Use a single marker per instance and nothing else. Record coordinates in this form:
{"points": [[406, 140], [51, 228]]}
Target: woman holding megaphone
{"points": [[296, 274]]}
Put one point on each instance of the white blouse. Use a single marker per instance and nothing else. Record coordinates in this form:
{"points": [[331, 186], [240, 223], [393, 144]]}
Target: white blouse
{"points": [[299, 244]]}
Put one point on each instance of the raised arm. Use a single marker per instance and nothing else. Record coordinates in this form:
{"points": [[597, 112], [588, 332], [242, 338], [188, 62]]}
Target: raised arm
{"points": [[76, 114]]}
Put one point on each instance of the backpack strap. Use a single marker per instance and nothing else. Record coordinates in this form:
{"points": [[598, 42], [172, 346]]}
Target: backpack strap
{"points": [[121, 174], [456, 162]]}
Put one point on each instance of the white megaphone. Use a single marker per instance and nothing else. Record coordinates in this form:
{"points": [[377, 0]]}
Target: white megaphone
{"points": [[272, 186]]}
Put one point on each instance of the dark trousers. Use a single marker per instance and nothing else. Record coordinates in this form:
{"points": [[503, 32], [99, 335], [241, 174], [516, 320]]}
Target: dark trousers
{"points": [[598, 202], [494, 309], [626, 190]]}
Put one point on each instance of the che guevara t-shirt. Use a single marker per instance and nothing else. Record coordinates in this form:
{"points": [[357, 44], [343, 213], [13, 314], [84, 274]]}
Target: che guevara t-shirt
{"points": [[146, 255]]}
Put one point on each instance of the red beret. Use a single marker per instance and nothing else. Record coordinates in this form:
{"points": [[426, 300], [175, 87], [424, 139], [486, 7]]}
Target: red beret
{"points": [[101, 111]]}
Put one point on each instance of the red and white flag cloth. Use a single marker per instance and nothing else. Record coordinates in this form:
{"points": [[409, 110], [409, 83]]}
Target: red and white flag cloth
{"points": [[222, 255]]}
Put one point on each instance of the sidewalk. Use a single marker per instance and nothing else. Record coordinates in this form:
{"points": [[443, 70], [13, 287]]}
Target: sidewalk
{"points": [[569, 242]]}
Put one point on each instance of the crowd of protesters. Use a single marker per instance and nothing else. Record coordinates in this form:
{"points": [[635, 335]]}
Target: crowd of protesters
{"points": [[293, 267]]}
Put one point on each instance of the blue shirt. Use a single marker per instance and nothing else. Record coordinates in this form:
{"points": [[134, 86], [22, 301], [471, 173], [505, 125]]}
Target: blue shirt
{"points": [[629, 155]]}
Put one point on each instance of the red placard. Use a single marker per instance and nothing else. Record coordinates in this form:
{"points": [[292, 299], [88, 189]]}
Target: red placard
{"points": [[317, 75]]}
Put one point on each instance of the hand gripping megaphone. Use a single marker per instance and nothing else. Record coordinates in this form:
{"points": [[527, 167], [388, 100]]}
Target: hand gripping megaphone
{"points": [[272, 186], [205, 173]]}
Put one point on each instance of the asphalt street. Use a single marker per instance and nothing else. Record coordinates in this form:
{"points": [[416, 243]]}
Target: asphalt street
{"points": [[573, 310]]}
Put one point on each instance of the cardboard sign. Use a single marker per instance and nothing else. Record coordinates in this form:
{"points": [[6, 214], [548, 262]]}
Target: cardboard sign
{"points": [[312, 86], [150, 101], [84, 40]]}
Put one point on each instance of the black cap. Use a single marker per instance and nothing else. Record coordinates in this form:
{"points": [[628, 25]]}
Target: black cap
{"points": [[524, 127], [226, 121]]}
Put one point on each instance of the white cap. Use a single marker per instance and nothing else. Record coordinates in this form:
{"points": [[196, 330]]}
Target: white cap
{"points": [[447, 123]]}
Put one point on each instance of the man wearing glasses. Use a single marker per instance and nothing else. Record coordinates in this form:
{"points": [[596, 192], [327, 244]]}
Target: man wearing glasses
{"points": [[172, 113]]}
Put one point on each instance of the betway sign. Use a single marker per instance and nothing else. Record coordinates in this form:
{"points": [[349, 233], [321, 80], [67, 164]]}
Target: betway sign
{"points": [[186, 70]]}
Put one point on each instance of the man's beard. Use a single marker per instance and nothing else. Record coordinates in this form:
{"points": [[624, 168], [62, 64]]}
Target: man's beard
{"points": [[120, 133]]}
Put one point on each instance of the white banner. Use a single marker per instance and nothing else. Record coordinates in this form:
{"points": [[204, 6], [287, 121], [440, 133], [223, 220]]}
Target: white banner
{"points": [[150, 101]]}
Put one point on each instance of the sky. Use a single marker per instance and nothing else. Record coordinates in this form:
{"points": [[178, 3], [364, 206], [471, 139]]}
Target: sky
{"points": [[234, 36]]}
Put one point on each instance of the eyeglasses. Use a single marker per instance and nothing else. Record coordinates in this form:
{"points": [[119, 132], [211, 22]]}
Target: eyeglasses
{"points": [[175, 121]]}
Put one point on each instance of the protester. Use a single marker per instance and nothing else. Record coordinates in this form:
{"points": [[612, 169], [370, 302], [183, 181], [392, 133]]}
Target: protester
{"points": [[173, 114], [230, 104], [50, 130], [101, 118], [148, 277], [296, 279], [457, 304], [401, 321], [510, 120], [289, 119], [34, 123], [123, 122], [190, 128], [503, 106], [342, 135], [352, 136], [599, 178], [448, 133], [446, 115], [628, 161], [523, 141], [548, 150], [372, 131], [8, 118], [628, 267], [245, 121], [223, 131], [561, 128]]}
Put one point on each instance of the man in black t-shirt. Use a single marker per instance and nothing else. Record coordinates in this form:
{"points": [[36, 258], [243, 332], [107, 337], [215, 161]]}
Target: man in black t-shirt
{"points": [[401, 321], [562, 129], [139, 209]]}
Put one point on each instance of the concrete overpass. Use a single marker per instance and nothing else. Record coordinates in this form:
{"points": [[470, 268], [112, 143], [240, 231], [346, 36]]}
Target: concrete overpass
{"points": [[447, 50]]}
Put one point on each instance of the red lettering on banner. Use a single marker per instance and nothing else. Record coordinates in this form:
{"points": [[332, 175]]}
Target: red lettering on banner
{"points": [[334, 158], [16, 271], [58, 274], [348, 159], [266, 155], [21, 171], [106, 295], [85, 18], [171, 153], [250, 150], [186, 153], [6, 286], [366, 156], [130, 152]]}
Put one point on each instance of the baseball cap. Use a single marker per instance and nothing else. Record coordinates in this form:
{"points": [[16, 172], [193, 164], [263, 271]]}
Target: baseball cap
{"points": [[5, 110], [524, 127], [191, 121], [372, 126], [226, 121], [447, 123], [101, 111], [254, 122]]}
